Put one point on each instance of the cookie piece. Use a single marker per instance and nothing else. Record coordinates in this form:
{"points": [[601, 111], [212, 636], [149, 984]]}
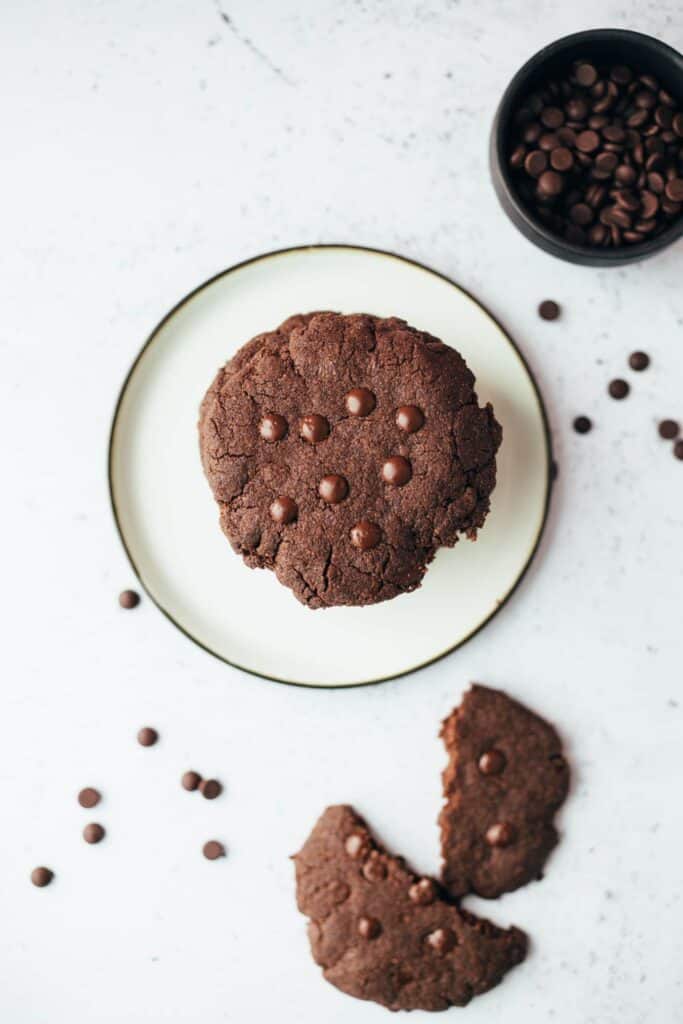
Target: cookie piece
{"points": [[505, 779], [343, 451], [382, 933]]}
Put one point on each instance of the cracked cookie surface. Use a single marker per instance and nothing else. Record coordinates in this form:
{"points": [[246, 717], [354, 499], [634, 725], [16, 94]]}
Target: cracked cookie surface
{"points": [[384, 934], [505, 779], [343, 451]]}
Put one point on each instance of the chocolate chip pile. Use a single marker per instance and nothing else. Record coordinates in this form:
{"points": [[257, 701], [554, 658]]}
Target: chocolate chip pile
{"points": [[90, 797], [599, 155]]}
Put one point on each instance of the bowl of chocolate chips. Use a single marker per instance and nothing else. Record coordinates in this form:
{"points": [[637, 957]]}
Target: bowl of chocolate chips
{"points": [[587, 147]]}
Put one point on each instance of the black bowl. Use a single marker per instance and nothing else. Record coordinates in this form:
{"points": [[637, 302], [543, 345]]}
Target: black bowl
{"points": [[609, 46]]}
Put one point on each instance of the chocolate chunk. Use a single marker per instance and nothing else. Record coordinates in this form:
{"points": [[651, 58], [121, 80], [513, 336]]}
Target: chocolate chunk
{"points": [[213, 849], [378, 941], [668, 429], [191, 781], [639, 361], [93, 833], [549, 310], [147, 737], [89, 797], [273, 427], [129, 599], [618, 388], [497, 829], [41, 877], [210, 788], [582, 425]]}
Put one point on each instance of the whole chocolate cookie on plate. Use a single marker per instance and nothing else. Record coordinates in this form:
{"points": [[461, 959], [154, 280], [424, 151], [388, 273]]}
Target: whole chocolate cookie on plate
{"points": [[382, 933], [343, 451], [505, 779]]}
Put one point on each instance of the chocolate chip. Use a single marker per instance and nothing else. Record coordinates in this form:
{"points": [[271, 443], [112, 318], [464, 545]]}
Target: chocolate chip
{"points": [[147, 737], [360, 402], [374, 869], [585, 74], [129, 599], [639, 361], [581, 214], [369, 927], [674, 190], [333, 488], [272, 427], [89, 797], [678, 450], [582, 425], [549, 310], [93, 833], [668, 429], [355, 845], [423, 892], [441, 940], [492, 762], [283, 510], [314, 428], [552, 117], [212, 850], [550, 184], [365, 535], [210, 788], [561, 159], [535, 163], [588, 141], [501, 834], [618, 388], [397, 471], [41, 877], [409, 418], [191, 781]]}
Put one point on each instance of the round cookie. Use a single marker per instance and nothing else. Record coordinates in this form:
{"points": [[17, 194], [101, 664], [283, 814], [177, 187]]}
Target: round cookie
{"points": [[343, 451]]}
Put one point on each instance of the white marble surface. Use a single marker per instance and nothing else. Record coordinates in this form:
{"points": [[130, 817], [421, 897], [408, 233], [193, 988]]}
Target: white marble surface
{"points": [[147, 145]]}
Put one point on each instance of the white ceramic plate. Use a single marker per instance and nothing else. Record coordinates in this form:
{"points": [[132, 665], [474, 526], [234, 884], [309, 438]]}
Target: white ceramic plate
{"points": [[169, 523]]}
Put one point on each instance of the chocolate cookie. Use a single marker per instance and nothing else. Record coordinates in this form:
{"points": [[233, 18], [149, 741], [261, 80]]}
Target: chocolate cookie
{"points": [[343, 451], [505, 779], [382, 933]]}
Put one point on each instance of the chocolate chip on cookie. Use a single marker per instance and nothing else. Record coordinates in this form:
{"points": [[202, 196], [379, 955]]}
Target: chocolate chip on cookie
{"points": [[382, 933], [505, 779], [343, 451]]}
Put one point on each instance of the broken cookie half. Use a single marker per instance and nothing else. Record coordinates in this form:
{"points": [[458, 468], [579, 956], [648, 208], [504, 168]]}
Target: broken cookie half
{"points": [[384, 934]]}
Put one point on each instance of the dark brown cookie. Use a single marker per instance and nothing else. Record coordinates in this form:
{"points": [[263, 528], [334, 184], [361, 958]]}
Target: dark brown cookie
{"points": [[382, 933], [343, 451], [505, 779]]}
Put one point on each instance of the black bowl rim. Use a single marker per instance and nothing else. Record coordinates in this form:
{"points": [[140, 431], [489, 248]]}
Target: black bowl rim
{"points": [[564, 249]]}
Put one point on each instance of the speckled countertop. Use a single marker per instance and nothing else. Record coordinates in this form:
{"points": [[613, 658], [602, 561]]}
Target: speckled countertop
{"points": [[145, 147]]}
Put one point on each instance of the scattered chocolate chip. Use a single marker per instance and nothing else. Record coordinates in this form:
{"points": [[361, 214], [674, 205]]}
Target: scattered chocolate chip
{"points": [[585, 74], [441, 940], [365, 535], [409, 418], [549, 310], [89, 797], [501, 834], [639, 361], [397, 471], [582, 425], [41, 877], [129, 599], [147, 737], [668, 429], [423, 892], [355, 845], [93, 833], [618, 388], [333, 488], [314, 428], [369, 927], [374, 869], [210, 788], [492, 762], [213, 849], [283, 510], [360, 402], [191, 781], [272, 427], [678, 449], [535, 163]]}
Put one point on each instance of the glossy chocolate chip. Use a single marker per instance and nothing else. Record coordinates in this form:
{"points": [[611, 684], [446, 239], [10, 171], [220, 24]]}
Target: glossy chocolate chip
{"points": [[409, 418], [89, 797], [93, 833], [333, 488], [365, 535], [191, 781], [314, 428], [639, 361], [41, 877], [147, 736], [212, 850], [355, 845], [618, 388], [441, 940], [549, 310], [397, 471], [369, 927], [272, 427], [501, 834], [582, 425], [283, 510], [374, 869], [129, 599], [210, 788], [492, 762], [360, 402], [668, 429], [423, 892]]}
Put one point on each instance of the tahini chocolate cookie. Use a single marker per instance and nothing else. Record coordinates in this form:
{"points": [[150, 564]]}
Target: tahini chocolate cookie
{"points": [[343, 451], [382, 933], [505, 779]]}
